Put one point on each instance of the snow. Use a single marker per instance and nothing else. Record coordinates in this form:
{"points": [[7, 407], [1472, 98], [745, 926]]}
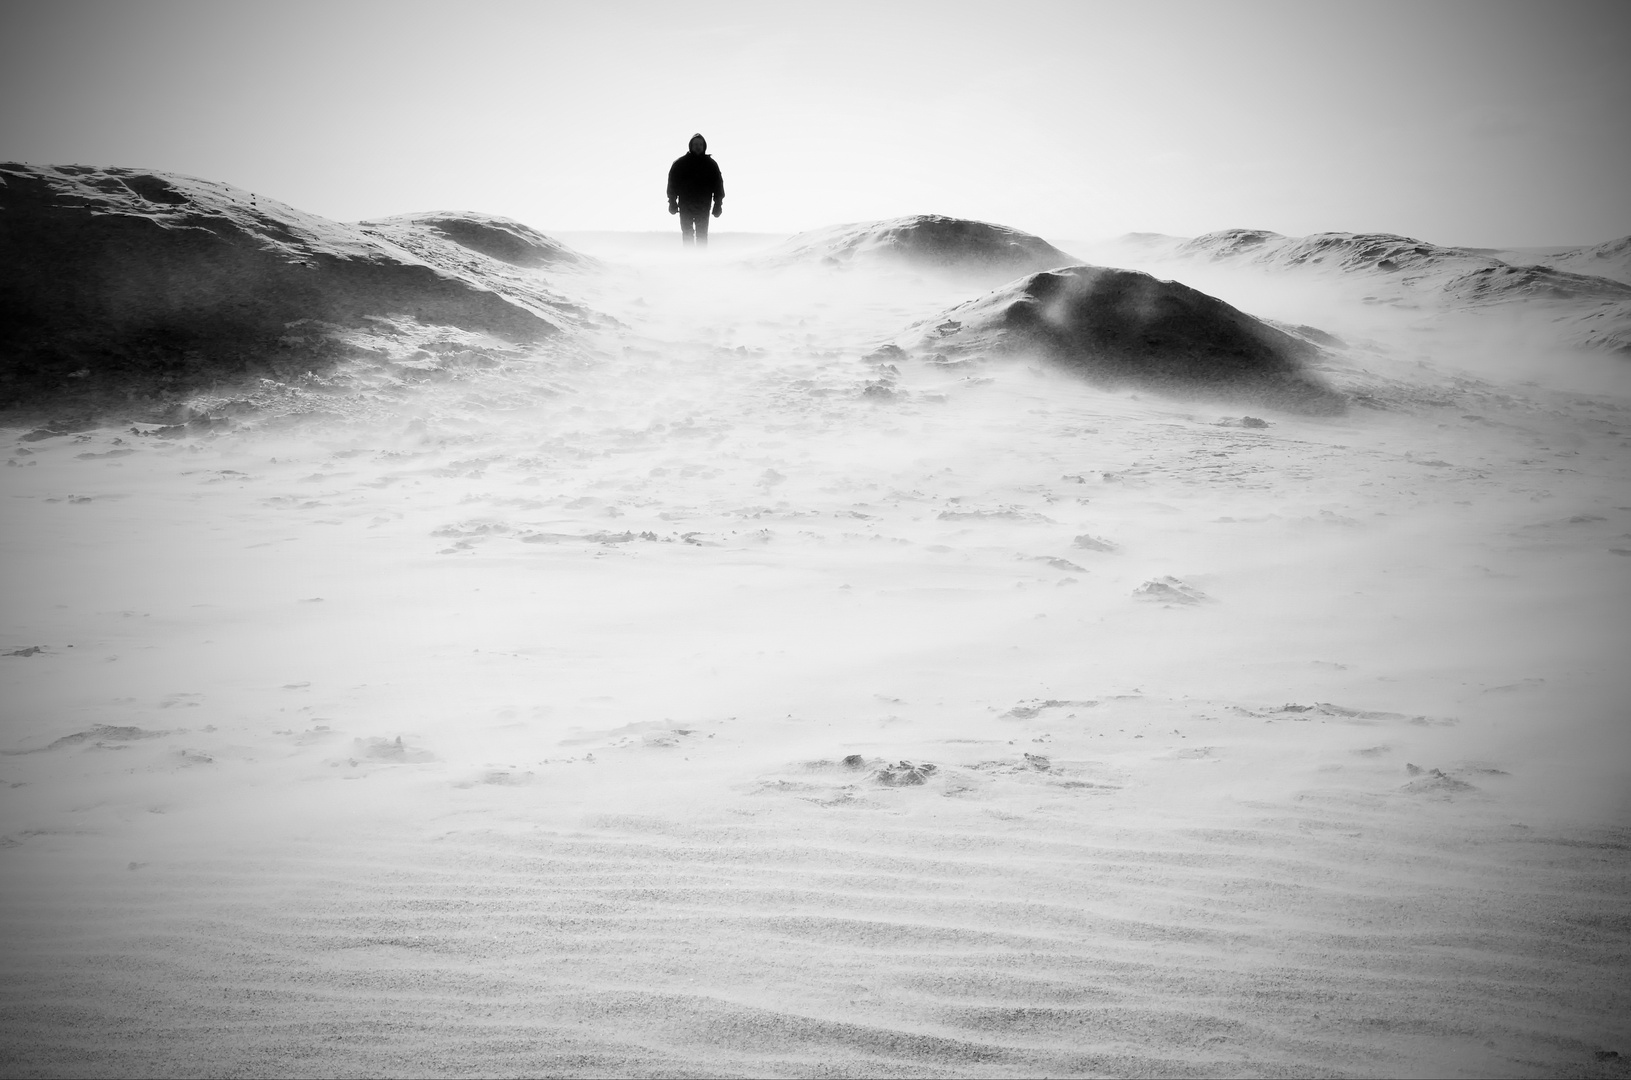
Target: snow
{"points": [[931, 242], [500, 238], [125, 281], [705, 689], [1585, 289], [1611, 259], [1125, 328]]}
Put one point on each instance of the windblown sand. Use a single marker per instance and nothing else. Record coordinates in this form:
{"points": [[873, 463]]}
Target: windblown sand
{"points": [[716, 702]]}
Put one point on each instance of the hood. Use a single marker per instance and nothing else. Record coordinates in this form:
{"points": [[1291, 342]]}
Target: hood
{"points": [[692, 139]]}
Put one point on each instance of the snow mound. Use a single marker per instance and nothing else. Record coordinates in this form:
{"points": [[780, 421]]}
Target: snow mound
{"points": [[1502, 283], [1123, 327], [119, 280], [1380, 253], [922, 241], [1584, 290], [1611, 260], [495, 237]]}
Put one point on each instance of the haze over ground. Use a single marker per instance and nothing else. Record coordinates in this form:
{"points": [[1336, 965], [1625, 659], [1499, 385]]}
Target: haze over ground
{"points": [[1494, 124], [429, 650], [703, 692]]}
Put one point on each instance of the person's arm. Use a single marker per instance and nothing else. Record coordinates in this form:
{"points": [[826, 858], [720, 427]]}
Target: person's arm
{"points": [[719, 190], [673, 189]]}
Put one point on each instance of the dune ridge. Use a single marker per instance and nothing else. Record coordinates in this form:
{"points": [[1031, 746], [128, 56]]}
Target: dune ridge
{"points": [[121, 281], [1610, 259], [711, 692], [921, 241], [498, 238], [1587, 287]]}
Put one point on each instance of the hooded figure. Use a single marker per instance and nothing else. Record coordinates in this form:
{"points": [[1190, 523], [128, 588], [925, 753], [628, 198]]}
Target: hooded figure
{"points": [[693, 182]]}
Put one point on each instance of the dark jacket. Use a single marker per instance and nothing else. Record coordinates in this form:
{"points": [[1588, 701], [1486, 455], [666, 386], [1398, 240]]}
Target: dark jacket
{"points": [[695, 178]]}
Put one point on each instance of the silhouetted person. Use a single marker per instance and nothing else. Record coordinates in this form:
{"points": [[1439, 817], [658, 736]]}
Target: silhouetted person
{"points": [[693, 182]]}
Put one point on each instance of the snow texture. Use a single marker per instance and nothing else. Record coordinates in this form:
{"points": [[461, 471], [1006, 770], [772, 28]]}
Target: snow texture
{"points": [[925, 242], [1586, 288], [687, 685], [117, 281], [1122, 327]]}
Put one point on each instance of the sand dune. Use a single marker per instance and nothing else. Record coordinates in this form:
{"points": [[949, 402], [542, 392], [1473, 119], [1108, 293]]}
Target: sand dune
{"points": [[698, 692]]}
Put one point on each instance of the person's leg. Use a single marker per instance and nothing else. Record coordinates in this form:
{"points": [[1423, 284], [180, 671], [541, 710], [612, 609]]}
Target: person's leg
{"points": [[694, 220], [687, 224]]}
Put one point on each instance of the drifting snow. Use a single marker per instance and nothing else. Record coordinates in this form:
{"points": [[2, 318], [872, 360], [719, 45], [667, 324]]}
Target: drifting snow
{"points": [[1592, 312], [704, 696], [1608, 260], [495, 237], [923, 242], [1125, 328], [120, 280]]}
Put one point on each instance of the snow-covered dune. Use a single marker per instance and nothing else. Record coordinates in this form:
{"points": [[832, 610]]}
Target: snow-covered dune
{"points": [[1348, 252], [922, 242], [498, 238], [705, 694], [1583, 291], [1611, 259], [119, 281], [1125, 328]]}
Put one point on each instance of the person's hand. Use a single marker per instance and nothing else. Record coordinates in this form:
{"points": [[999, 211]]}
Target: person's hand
{"points": [[673, 208], [719, 208]]}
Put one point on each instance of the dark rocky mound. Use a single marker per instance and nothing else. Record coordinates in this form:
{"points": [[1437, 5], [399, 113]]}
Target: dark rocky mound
{"points": [[925, 242], [1122, 327], [117, 280], [495, 237]]}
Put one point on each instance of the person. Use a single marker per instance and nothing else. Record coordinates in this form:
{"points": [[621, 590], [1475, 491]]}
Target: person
{"points": [[693, 182]]}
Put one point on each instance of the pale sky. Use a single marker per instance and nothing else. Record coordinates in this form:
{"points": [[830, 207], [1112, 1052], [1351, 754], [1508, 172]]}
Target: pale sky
{"points": [[1481, 123]]}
